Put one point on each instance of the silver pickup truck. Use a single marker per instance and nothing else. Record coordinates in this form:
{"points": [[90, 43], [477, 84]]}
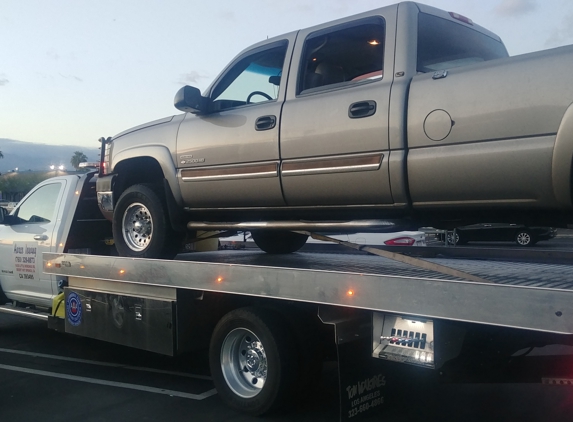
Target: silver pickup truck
{"points": [[403, 116]]}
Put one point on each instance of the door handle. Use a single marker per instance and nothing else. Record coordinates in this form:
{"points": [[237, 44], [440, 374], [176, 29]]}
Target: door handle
{"points": [[265, 122], [362, 109], [40, 237]]}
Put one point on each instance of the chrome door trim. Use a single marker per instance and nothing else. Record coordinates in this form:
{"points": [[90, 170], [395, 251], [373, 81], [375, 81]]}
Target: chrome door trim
{"points": [[242, 171], [338, 164]]}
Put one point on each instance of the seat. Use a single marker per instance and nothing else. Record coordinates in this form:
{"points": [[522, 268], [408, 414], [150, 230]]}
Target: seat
{"points": [[331, 73]]}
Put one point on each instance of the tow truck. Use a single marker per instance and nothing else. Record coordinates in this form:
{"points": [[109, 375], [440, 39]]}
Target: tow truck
{"points": [[270, 321]]}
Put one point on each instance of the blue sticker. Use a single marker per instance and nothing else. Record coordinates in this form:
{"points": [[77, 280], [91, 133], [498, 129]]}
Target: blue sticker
{"points": [[74, 309]]}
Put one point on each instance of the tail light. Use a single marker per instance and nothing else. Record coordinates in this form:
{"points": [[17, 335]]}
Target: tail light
{"points": [[401, 241]]}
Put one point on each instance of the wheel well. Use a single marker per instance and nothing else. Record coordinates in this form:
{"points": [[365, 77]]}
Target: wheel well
{"points": [[134, 171]]}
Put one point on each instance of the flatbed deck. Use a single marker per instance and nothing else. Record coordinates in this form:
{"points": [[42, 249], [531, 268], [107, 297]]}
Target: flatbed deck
{"points": [[519, 295]]}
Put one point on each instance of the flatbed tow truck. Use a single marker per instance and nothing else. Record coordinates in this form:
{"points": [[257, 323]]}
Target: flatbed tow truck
{"points": [[270, 320]]}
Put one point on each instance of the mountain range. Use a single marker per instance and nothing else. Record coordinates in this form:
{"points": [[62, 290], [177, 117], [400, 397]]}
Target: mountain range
{"points": [[26, 156]]}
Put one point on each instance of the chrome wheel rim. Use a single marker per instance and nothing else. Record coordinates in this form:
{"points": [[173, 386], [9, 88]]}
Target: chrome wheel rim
{"points": [[137, 227], [451, 239], [523, 239], [244, 363]]}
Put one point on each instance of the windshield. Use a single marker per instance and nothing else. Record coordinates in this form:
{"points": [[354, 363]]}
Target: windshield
{"points": [[443, 44]]}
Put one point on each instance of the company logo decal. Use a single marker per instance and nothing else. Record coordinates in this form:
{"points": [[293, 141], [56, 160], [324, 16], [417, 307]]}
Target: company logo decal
{"points": [[74, 309]]}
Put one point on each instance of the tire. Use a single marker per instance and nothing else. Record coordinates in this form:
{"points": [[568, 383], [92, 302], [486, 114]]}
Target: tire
{"points": [[524, 238], [141, 227], [459, 239], [252, 360], [278, 241]]}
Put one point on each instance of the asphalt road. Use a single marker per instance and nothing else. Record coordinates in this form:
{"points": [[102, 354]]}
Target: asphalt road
{"points": [[49, 376]]}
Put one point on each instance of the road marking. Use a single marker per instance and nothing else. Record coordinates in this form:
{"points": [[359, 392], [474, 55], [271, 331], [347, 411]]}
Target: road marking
{"points": [[109, 364], [172, 393]]}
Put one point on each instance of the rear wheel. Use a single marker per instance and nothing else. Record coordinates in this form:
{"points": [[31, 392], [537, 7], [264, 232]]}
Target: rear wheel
{"points": [[278, 241], [524, 238], [252, 360], [141, 226]]}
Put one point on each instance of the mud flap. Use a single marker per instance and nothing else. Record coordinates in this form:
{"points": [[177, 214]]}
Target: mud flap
{"points": [[362, 379]]}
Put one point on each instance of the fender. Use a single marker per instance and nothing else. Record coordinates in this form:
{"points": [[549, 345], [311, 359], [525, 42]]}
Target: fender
{"points": [[561, 172], [164, 158]]}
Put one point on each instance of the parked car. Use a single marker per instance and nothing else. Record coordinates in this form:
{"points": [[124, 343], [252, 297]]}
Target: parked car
{"points": [[522, 235]]}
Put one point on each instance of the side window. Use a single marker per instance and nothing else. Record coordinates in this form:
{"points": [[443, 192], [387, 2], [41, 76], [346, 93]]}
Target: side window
{"points": [[343, 55], [255, 78], [40, 206]]}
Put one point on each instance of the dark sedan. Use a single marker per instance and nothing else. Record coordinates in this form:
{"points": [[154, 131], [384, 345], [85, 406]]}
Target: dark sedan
{"points": [[522, 235]]}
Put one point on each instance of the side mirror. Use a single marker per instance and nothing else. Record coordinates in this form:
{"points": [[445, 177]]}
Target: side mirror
{"points": [[189, 99]]}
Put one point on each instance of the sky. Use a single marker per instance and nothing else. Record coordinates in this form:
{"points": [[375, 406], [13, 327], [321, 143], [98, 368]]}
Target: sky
{"points": [[72, 71]]}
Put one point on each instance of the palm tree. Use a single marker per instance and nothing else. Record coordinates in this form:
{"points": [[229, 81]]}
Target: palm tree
{"points": [[77, 158]]}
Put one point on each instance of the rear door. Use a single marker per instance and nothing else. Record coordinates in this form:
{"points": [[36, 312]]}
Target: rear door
{"points": [[334, 129], [22, 245]]}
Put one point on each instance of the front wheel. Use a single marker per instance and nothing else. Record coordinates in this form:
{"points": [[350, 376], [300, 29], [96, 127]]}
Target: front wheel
{"points": [[278, 241], [252, 362], [141, 228], [524, 238]]}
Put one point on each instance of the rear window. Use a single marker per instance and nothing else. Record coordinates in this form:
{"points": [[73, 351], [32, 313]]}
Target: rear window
{"points": [[443, 44]]}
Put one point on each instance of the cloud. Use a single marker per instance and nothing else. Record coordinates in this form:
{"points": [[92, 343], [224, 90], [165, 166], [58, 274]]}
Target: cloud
{"points": [[516, 7], [71, 77], [227, 15], [561, 34], [192, 77]]}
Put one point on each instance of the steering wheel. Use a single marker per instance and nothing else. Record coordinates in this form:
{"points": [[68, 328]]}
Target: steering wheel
{"points": [[252, 94]]}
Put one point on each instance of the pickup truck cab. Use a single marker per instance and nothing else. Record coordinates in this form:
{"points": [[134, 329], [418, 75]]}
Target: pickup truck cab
{"points": [[58, 215], [406, 114]]}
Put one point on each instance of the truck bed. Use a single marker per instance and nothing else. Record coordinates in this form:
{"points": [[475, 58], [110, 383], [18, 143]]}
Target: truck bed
{"points": [[519, 295]]}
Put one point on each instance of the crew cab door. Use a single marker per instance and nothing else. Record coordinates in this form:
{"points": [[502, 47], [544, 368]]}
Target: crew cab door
{"points": [[30, 232], [334, 129], [229, 155]]}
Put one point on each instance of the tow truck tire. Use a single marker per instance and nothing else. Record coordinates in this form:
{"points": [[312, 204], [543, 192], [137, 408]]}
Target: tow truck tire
{"points": [[141, 227], [252, 360], [278, 241]]}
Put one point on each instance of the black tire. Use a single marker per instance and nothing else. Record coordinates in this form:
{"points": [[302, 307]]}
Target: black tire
{"points": [[524, 238], [141, 227], [252, 360], [278, 241], [459, 239]]}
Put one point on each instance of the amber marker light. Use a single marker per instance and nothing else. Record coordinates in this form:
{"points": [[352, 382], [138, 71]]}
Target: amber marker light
{"points": [[373, 42], [219, 279], [49, 264], [122, 271], [350, 293], [77, 192]]}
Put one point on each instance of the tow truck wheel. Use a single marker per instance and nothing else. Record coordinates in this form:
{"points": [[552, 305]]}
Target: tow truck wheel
{"points": [[141, 226], [252, 360], [278, 241]]}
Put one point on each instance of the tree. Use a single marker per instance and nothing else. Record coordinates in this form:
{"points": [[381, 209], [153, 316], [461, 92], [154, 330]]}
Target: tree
{"points": [[15, 185], [77, 158]]}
